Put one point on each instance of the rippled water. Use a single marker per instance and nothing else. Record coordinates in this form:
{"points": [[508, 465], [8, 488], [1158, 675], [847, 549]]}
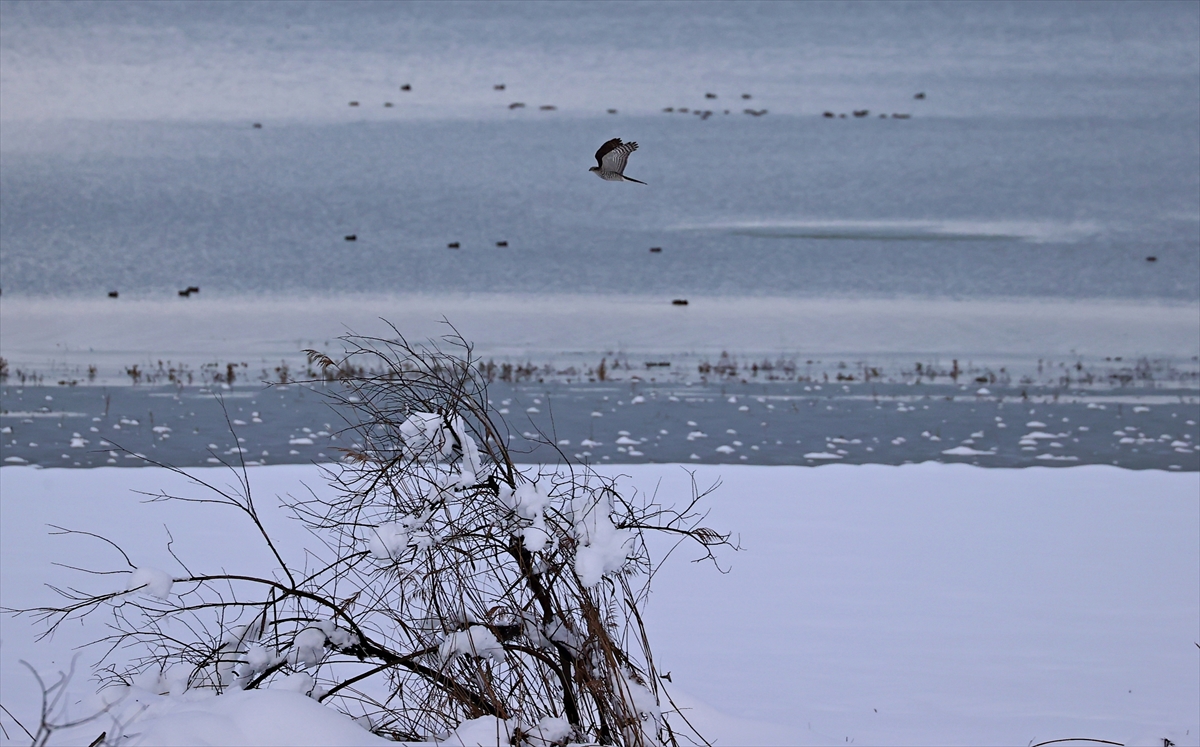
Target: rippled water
{"points": [[1058, 147], [779, 205]]}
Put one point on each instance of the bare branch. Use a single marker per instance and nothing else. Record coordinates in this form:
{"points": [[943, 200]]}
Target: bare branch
{"points": [[443, 576]]}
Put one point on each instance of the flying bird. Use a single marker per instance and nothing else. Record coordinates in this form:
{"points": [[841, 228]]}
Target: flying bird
{"points": [[610, 160]]}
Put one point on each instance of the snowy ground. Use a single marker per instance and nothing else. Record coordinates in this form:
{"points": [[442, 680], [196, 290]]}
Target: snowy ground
{"points": [[919, 604]]}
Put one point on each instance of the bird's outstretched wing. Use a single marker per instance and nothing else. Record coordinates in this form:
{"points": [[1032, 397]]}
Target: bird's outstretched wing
{"points": [[613, 155], [604, 149]]}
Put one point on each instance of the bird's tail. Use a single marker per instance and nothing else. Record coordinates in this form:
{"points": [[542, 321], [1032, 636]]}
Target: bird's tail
{"points": [[632, 180]]}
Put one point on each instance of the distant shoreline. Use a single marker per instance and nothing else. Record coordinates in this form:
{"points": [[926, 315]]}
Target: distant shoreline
{"points": [[560, 338]]}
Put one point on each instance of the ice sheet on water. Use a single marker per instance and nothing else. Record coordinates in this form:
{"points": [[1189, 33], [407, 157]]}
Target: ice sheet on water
{"points": [[908, 230]]}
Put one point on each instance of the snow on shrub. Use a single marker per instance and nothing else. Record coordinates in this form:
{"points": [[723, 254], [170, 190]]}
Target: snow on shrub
{"points": [[308, 648], [549, 731], [151, 581], [451, 593], [474, 641], [602, 547]]}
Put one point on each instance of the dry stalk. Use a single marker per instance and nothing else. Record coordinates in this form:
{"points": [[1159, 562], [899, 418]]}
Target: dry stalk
{"points": [[449, 585]]}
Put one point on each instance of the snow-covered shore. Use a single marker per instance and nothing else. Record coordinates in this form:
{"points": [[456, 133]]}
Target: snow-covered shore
{"points": [[919, 604]]}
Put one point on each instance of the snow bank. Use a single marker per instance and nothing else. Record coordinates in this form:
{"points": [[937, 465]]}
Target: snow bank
{"points": [[241, 717], [921, 604], [485, 731]]}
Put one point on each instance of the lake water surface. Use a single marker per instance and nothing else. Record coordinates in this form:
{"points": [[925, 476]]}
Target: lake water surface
{"points": [[1056, 148]]}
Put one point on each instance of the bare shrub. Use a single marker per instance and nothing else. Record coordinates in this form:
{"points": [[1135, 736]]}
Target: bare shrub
{"points": [[449, 585], [51, 716]]}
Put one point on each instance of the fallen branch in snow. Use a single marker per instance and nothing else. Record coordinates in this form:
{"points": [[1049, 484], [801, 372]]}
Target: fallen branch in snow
{"points": [[448, 586]]}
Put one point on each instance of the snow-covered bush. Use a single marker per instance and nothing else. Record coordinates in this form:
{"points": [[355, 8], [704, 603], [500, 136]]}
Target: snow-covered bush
{"points": [[448, 587]]}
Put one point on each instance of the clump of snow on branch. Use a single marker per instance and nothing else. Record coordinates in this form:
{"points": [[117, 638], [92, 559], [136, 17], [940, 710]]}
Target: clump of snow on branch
{"points": [[151, 581], [308, 648], [474, 641], [603, 548], [529, 507]]}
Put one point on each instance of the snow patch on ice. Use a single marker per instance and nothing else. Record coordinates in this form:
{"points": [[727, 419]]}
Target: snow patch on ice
{"points": [[1036, 435], [967, 451]]}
